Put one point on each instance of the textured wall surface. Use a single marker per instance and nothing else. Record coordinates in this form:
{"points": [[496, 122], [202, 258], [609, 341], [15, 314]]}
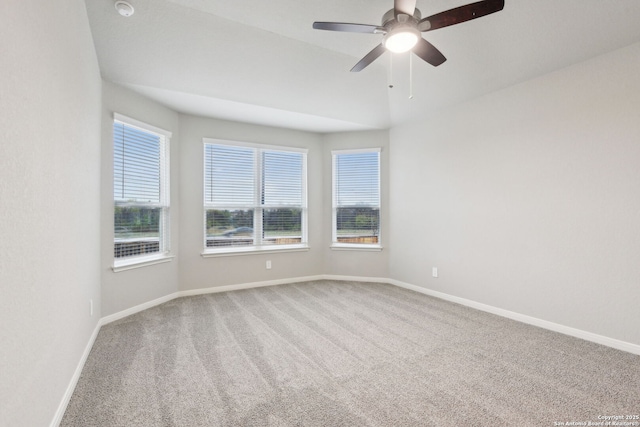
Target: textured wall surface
{"points": [[528, 199], [356, 262], [197, 272], [50, 92]]}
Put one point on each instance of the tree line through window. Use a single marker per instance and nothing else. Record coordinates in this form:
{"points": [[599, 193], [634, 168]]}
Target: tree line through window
{"points": [[255, 196], [140, 189], [356, 197]]}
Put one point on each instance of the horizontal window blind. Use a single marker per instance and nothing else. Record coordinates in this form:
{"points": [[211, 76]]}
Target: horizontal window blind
{"points": [[253, 196], [229, 175], [356, 197], [357, 179], [282, 178], [140, 189], [136, 167]]}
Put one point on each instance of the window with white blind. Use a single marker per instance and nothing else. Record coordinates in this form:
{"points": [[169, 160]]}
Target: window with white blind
{"points": [[140, 191], [254, 197], [356, 199]]}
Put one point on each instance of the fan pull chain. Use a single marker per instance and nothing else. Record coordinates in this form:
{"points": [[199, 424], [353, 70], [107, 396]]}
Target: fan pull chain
{"points": [[390, 71], [410, 76]]}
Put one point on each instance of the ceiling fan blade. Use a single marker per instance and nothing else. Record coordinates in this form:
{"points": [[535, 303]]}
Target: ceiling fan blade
{"points": [[460, 14], [429, 52], [350, 28], [407, 7], [369, 58]]}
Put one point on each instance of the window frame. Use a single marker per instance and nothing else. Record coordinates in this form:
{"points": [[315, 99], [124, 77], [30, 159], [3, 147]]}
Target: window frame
{"points": [[164, 253], [335, 245], [257, 206]]}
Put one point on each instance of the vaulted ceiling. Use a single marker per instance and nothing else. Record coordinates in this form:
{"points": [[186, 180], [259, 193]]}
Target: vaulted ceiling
{"points": [[261, 62]]}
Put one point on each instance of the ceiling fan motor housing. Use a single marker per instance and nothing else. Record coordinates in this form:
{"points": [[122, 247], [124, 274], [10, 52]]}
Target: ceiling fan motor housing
{"points": [[390, 16]]}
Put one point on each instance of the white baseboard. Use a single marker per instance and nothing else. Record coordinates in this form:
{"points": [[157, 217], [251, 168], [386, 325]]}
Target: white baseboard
{"points": [[138, 308], [566, 330], [356, 278], [226, 288], [62, 407], [216, 289], [141, 307]]}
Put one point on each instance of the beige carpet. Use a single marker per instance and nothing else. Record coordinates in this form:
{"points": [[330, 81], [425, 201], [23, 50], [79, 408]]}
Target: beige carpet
{"points": [[331, 353]]}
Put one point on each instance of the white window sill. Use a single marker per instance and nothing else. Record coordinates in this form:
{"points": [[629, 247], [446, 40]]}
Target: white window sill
{"points": [[253, 250], [139, 262], [355, 247]]}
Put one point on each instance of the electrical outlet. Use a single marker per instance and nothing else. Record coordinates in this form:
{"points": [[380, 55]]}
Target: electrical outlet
{"points": [[434, 271], [269, 265]]}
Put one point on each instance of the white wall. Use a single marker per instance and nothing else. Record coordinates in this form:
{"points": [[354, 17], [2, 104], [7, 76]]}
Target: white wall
{"points": [[49, 203], [529, 199], [123, 290], [356, 262], [126, 289], [197, 272]]}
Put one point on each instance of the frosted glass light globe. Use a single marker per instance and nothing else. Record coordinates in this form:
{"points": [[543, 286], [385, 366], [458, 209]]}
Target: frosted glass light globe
{"points": [[401, 41]]}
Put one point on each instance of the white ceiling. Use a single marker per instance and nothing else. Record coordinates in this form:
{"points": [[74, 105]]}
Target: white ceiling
{"points": [[261, 62]]}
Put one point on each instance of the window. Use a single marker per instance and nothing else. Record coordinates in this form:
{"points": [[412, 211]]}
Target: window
{"points": [[356, 199], [254, 197], [140, 191]]}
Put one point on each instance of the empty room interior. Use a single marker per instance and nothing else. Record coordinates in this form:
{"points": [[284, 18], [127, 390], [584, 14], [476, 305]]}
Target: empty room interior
{"points": [[252, 213]]}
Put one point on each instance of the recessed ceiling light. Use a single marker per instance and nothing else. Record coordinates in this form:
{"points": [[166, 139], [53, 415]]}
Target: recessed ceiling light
{"points": [[124, 8]]}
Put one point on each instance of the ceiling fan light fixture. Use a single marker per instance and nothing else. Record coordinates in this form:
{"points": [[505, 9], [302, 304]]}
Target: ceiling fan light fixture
{"points": [[402, 40]]}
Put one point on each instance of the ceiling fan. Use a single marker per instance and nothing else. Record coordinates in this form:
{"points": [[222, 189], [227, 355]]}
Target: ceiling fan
{"points": [[401, 27]]}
